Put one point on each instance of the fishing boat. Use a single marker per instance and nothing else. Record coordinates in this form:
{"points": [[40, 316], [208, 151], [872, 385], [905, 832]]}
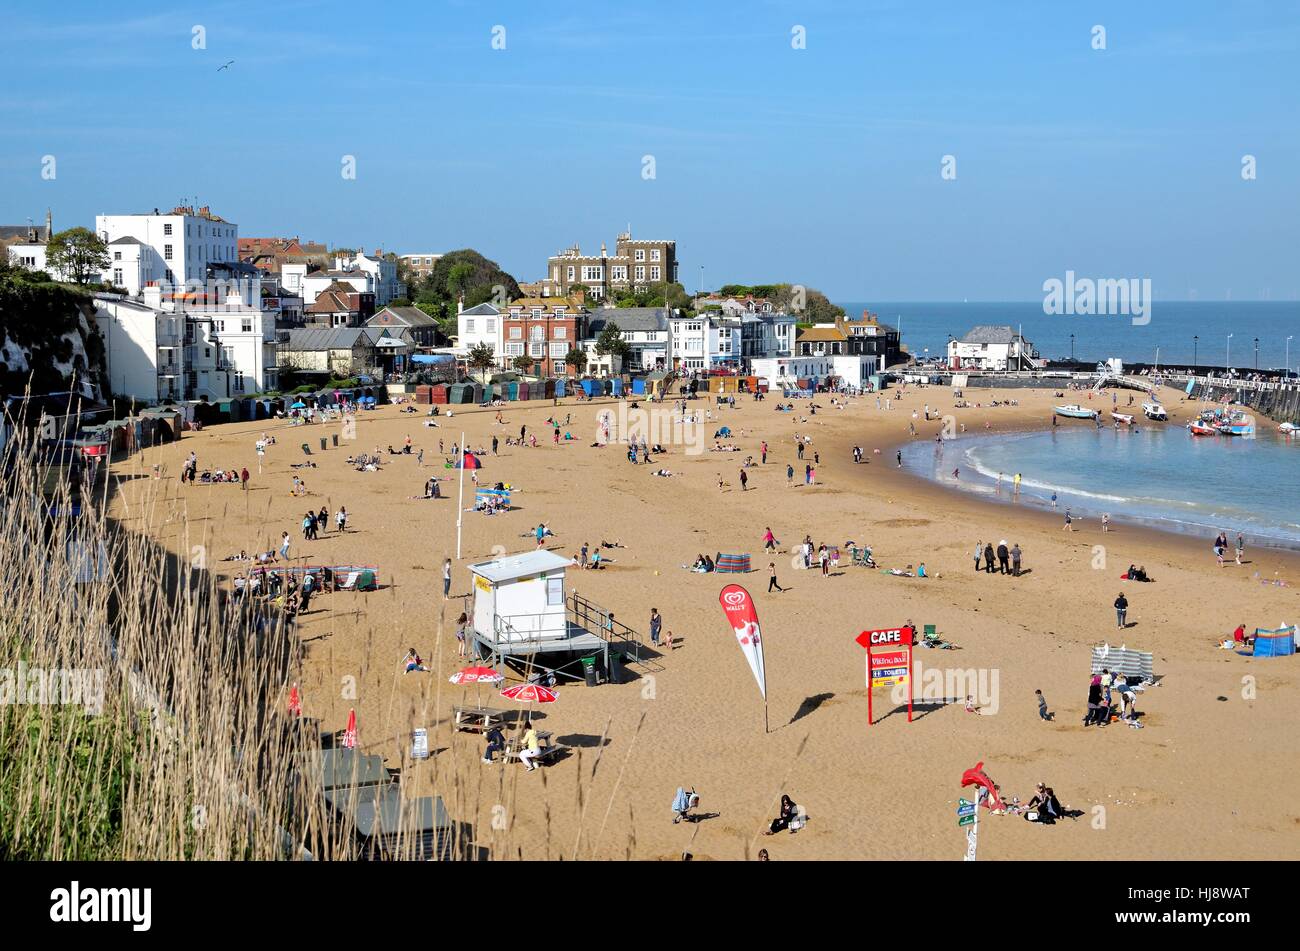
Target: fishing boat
{"points": [[1200, 428], [1238, 424], [1289, 429], [1124, 419], [1075, 411], [1154, 411]]}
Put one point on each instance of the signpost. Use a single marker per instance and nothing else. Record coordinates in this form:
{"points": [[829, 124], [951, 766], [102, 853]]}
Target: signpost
{"points": [[420, 744], [892, 666]]}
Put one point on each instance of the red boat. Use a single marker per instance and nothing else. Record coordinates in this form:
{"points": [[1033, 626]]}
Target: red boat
{"points": [[1197, 428]]}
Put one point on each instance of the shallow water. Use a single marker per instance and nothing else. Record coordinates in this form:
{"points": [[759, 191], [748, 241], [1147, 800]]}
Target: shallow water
{"points": [[1159, 476]]}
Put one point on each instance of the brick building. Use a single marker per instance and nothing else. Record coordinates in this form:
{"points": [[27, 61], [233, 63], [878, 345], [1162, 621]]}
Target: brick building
{"points": [[635, 265]]}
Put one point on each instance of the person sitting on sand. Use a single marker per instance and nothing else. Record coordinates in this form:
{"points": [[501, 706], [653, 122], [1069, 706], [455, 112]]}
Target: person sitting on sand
{"points": [[1241, 637], [683, 803], [595, 560], [789, 814], [1044, 806]]}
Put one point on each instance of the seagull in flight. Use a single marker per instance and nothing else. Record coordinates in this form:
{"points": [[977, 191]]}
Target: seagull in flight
{"points": [[226, 66]]}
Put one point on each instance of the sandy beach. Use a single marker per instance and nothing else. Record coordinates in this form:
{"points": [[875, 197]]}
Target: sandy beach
{"points": [[1207, 777]]}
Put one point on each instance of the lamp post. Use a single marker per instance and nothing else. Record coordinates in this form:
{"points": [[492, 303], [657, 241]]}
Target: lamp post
{"points": [[1227, 359], [1256, 353], [1071, 348], [1195, 342]]}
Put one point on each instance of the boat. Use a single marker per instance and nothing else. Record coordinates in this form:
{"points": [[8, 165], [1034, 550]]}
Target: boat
{"points": [[1154, 411], [1289, 429], [1122, 418], [1238, 424], [1198, 428], [1075, 411]]}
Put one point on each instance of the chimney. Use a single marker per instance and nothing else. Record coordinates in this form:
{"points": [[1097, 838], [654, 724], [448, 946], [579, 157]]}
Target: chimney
{"points": [[460, 304], [49, 225], [602, 249]]}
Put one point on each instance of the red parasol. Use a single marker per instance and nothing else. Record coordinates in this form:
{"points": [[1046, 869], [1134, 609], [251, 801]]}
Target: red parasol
{"points": [[350, 734], [530, 693], [476, 675], [295, 701]]}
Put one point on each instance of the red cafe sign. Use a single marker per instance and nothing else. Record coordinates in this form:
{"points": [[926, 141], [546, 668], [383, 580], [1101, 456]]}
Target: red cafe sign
{"points": [[889, 661]]}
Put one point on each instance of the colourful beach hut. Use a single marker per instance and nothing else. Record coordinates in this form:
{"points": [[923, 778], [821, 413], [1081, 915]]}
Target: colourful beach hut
{"points": [[460, 393], [561, 387], [548, 389], [511, 390], [525, 390], [616, 386], [438, 393], [476, 393]]}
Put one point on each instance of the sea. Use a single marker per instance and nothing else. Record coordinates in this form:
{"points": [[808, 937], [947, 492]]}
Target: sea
{"points": [[1178, 334], [1159, 476]]}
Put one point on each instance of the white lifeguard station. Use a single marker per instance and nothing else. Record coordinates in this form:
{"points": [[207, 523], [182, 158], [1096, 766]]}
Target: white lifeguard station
{"points": [[523, 615]]}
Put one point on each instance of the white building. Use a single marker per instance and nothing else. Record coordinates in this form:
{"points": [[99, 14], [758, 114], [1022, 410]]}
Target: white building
{"points": [[174, 248], [989, 347], [480, 324], [787, 371], [383, 274], [644, 329], [143, 350]]}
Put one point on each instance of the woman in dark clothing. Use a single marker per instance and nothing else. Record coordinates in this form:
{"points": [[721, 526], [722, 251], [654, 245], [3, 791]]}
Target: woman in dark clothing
{"points": [[1094, 701], [988, 558], [788, 812]]}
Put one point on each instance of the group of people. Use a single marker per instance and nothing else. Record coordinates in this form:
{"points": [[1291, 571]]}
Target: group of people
{"points": [[1221, 547], [1102, 688], [1007, 559]]}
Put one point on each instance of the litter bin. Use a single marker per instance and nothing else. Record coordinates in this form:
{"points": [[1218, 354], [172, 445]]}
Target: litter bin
{"points": [[589, 670], [335, 437], [615, 673], [323, 445]]}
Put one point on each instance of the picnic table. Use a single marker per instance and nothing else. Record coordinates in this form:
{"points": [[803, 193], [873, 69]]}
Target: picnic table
{"points": [[547, 748], [478, 719]]}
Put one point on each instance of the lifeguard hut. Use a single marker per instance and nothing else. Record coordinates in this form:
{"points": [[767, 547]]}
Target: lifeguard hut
{"points": [[522, 615]]}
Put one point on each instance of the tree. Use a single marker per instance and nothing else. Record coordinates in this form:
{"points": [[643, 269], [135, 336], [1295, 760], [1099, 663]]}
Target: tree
{"points": [[481, 357], [611, 341], [576, 359], [523, 363], [78, 253], [468, 272]]}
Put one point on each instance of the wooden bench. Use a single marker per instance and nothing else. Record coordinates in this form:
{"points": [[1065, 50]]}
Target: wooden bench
{"points": [[546, 748], [478, 719]]}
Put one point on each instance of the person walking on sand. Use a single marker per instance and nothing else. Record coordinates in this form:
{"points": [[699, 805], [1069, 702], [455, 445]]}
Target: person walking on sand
{"points": [[899, 456], [284, 545], [824, 558], [243, 479], [979, 553], [771, 580], [341, 519], [1053, 494], [1105, 521], [789, 474], [988, 558], [1017, 484], [744, 481], [1241, 544], [1043, 712], [1004, 557], [446, 579], [1069, 522], [1015, 560], [762, 451], [1121, 610], [769, 540], [656, 625]]}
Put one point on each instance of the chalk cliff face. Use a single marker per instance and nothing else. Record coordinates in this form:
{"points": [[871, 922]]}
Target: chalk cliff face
{"points": [[48, 338]]}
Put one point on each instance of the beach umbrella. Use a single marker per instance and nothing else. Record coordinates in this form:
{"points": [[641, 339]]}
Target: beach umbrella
{"points": [[350, 734], [530, 693], [298, 405], [476, 675], [295, 701]]}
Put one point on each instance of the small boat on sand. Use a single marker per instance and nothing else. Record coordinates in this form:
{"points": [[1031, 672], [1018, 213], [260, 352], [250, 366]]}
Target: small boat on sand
{"points": [[1199, 428], [1238, 424], [1075, 411], [1154, 411], [1124, 419]]}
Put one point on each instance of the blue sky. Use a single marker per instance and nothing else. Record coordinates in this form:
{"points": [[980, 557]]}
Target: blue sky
{"points": [[818, 166]]}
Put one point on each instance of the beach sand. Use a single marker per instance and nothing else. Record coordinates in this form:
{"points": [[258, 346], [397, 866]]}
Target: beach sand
{"points": [[1208, 777]]}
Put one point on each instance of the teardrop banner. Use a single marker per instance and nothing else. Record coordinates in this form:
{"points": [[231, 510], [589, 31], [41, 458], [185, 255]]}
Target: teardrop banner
{"points": [[738, 606]]}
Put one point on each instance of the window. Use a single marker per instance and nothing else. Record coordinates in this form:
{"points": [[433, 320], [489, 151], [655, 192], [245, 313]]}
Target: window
{"points": [[537, 350], [514, 350], [167, 252], [640, 272], [555, 591], [561, 333], [537, 312], [618, 272], [517, 333], [489, 325], [654, 255], [558, 351], [167, 229], [246, 325], [640, 254], [117, 255], [469, 325], [593, 273], [654, 273], [537, 332], [572, 272]]}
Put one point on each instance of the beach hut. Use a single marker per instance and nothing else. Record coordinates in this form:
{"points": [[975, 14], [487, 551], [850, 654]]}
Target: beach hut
{"points": [[424, 394], [638, 386], [476, 393], [548, 389], [510, 391], [616, 386], [460, 393], [438, 393], [524, 390], [561, 387]]}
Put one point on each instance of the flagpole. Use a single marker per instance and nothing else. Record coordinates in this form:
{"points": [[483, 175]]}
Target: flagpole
{"points": [[460, 504]]}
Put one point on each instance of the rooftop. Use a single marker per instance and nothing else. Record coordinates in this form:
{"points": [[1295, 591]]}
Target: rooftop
{"points": [[514, 567]]}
